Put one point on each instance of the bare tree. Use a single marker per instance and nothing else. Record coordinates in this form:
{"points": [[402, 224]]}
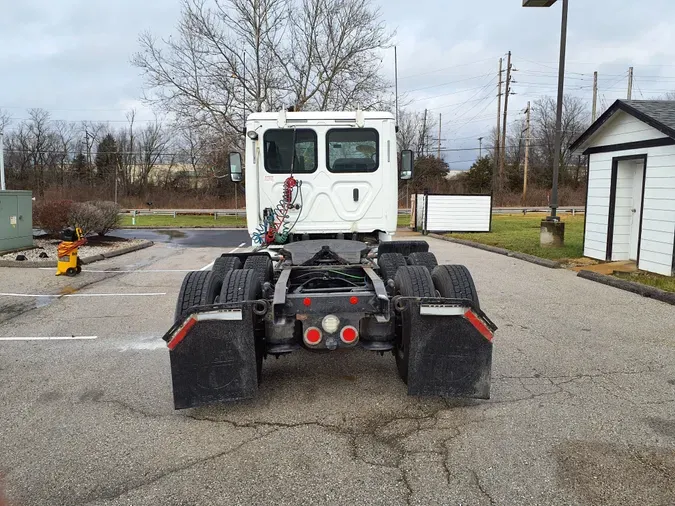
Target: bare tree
{"points": [[5, 120], [232, 56], [66, 134], [126, 144], [333, 61], [153, 142], [414, 134], [575, 120]]}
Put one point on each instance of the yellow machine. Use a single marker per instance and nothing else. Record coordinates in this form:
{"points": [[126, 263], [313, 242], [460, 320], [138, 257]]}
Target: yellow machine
{"points": [[69, 263]]}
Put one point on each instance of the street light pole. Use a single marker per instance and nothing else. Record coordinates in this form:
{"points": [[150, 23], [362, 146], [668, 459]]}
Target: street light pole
{"points": [[558, 119]]}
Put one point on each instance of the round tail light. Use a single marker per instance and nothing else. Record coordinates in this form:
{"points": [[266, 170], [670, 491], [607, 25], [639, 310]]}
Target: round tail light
{"points": [[312, 336], [349, 334]]}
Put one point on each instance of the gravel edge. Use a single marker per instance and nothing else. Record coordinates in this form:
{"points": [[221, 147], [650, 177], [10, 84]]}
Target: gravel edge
{"points": [[630, 286], [551, 264], [85, 260]]}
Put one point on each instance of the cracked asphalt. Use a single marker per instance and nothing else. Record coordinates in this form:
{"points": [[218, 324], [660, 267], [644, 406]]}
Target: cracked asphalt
{"points": [[582, 409]]}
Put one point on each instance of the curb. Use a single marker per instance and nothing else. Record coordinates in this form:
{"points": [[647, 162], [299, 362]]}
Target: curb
{"points": [[551, 264], [85, 260], [630, 286]]}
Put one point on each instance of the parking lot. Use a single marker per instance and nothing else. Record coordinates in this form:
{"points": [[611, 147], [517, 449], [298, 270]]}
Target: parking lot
{"points": [[582, 408]]}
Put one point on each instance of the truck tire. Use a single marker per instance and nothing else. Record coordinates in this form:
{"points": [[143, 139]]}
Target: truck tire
{"points": [[425, 259], [241, 285], [191, 293], [214, 284], [411, 281], [405, 248], [389, 264], [455, 282], [262, 265]]}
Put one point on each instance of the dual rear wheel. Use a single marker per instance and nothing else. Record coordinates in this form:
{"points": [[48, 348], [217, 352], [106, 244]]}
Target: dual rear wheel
{"points": [[446, 281]]}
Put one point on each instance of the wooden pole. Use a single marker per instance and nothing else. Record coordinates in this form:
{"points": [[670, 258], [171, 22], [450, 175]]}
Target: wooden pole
{"points": [[595, 96], [499, 119], [507, 91], [440, 123], [527, 152]]}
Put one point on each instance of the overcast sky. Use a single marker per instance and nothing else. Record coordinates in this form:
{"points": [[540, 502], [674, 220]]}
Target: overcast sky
{"points": [[71, 57]]}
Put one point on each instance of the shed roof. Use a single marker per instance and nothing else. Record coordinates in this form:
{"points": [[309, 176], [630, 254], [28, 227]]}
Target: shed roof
{"points": [[659, 114]]}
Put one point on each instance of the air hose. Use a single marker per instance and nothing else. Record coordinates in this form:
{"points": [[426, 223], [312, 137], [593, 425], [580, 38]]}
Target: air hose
{"points": [[275, 227]]}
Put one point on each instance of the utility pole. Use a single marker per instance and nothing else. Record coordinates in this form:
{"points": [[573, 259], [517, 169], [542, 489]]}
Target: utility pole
{"points": [[424, 133], [499, 119], [396, 82], [440, 126], [480, 147], [527, 152], [507, 91], [2, 161], [595, 95], [630, 83]]}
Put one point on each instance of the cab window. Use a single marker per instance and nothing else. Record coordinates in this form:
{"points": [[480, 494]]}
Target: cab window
{"points": [[353, 150], [278, 145]]}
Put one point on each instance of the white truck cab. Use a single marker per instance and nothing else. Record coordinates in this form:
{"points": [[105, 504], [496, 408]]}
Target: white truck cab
{"points": [[321, 174]]}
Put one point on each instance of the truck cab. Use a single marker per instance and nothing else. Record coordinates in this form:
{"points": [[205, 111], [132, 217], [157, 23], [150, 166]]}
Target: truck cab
{"points": [[342, 168]]}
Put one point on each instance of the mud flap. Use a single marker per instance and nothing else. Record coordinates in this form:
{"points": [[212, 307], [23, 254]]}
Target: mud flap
{"points": [[450, 351], [214, 360]]}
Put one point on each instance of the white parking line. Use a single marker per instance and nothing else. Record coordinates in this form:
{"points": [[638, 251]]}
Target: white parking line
{"points": [[58, 296], [51, 338], [207, 267]]}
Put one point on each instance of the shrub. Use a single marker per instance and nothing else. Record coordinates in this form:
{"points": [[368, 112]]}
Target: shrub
{"points": [[86, 216], [52, 216], [110, 216]]}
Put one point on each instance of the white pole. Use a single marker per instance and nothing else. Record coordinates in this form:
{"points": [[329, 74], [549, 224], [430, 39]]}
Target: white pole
{"points": [[2, 162]]}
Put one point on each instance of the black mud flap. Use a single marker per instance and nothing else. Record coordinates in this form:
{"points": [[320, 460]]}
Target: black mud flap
{"points": [[213, 357], [450, 353]]}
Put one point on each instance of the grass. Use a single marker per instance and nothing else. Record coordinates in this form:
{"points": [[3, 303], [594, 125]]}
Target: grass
{"points": [[184, 221], [521, 233], [646, 278], [205, 221]]}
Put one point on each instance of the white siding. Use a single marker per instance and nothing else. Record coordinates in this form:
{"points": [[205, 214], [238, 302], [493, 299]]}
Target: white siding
{"points": [[457, 213], [658, 219], [623, 128], [599, 180]]}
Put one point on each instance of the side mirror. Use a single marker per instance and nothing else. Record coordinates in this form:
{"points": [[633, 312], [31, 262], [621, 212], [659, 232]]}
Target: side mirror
{"points": [[235, 167], [407, 161]]}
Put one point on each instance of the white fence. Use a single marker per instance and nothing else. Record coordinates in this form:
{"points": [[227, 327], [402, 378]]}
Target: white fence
{"points": [[453, 213]]}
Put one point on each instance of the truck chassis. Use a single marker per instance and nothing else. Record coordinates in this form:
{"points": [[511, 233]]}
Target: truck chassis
{"points": [[322, 295]]}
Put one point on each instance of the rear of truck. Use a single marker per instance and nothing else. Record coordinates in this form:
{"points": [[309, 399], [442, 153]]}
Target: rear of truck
{"points": [[323, 273]]}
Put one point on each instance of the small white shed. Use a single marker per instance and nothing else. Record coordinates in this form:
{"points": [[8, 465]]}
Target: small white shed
{"points": [[630, 199]]}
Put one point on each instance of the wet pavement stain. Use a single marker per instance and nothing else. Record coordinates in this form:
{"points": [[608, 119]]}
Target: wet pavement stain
{"points": [[617, 475], [663, 427], [173, 234]]}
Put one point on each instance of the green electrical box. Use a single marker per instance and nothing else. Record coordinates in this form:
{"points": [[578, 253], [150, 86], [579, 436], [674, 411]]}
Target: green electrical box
{"points": [[16, 219]]}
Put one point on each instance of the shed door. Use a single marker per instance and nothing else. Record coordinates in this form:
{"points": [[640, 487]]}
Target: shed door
{"points": [[624, 234], [636, 210]]}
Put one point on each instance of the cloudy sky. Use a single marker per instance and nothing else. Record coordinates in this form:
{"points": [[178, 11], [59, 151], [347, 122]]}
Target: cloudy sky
{"points": [[71, 57]]}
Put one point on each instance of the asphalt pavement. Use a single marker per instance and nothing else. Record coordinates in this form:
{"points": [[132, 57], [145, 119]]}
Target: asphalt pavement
{"points": [[582, 408], [189, 237]]}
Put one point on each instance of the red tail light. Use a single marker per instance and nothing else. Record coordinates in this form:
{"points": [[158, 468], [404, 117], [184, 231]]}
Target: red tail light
{"points": [[349, 334], [312, 336]]}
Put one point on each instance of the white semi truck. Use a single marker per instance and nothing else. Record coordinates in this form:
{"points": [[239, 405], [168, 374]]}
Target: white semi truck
{"points": [[324, 271]]}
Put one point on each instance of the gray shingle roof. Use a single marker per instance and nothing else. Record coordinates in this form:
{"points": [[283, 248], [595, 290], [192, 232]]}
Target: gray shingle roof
{"points": [[662, 111], [659, 114]]}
